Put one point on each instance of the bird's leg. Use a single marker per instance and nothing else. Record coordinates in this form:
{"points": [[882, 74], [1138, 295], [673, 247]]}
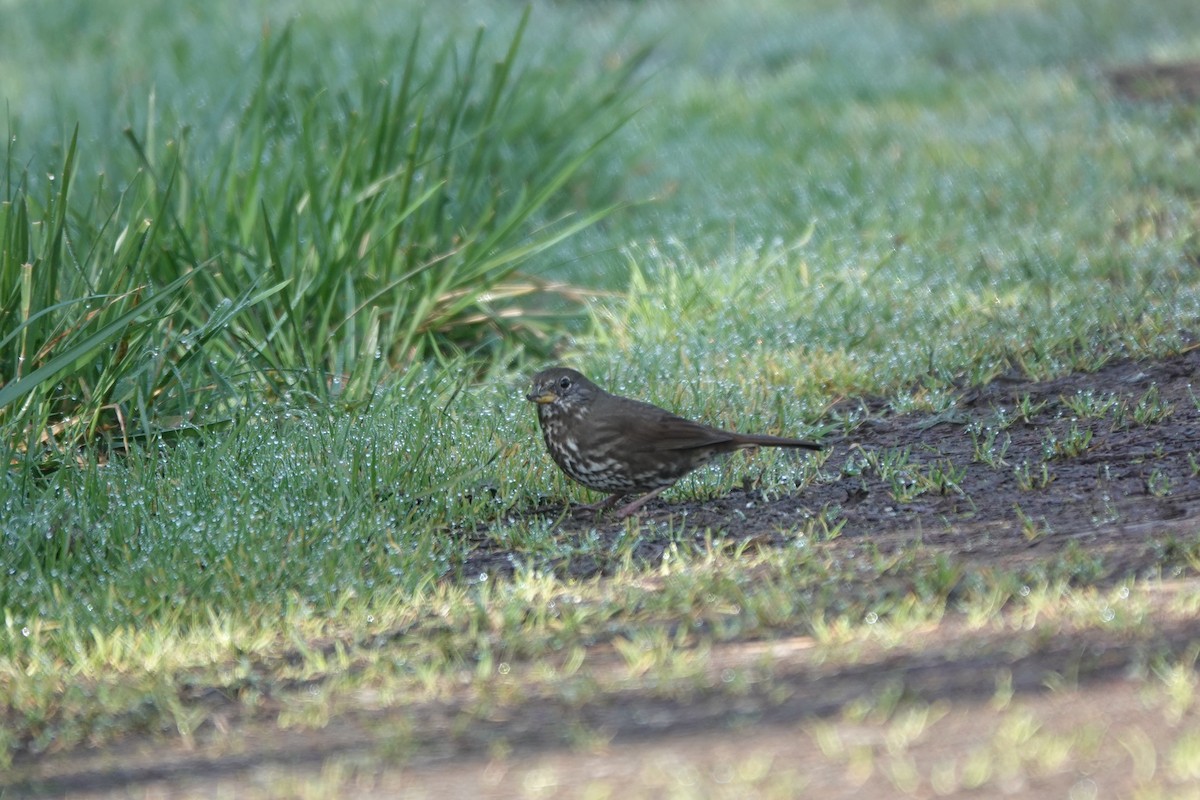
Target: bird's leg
{"points": [[641, 501], [607, 502]]}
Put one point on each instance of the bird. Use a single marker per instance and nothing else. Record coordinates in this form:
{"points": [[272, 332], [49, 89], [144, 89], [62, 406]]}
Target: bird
{"points": [[623, 446]]}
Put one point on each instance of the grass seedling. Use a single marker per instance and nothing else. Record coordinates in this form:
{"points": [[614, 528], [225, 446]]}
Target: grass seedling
{"points": [[826, 525], [988, 446], [943, 476], [1151, 408], [1072, 443], [906, 487], [1031, 479], [891, 464], [1031, 529], [1026, 409], [1158, 484], [1091, 405]]}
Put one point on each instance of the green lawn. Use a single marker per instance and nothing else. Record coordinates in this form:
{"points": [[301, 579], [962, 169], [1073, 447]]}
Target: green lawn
{"points": [[744, 212]]}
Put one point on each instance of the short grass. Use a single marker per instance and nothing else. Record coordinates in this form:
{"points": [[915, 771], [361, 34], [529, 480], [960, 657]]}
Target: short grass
{"points": [[814, 202]]}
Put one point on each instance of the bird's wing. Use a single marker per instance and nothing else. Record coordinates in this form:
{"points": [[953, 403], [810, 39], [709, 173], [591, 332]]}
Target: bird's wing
{"points": [[650, 428]]}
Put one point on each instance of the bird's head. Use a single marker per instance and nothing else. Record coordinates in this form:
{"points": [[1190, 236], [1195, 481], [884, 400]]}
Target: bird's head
{"points": [[560, 388]]}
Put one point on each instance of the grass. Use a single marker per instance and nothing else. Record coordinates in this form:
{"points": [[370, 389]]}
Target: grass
{"points": [[494, 648], [265, 319], [340, 234], [416, 646]]}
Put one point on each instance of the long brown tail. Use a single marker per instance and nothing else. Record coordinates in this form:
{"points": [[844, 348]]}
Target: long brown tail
{"points": [[763, 440]]}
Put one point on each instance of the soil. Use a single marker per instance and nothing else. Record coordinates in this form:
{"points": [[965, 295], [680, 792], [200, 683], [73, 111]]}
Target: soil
{"points": [[1131, 497]]}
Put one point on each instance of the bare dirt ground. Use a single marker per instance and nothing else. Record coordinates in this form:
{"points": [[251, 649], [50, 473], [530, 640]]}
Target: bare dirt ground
{"points": [[1129, 482], [1131, 497]]}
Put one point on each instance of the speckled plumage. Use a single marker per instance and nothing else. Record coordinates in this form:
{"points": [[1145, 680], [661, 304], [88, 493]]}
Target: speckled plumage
{"points": [[621, 446]]}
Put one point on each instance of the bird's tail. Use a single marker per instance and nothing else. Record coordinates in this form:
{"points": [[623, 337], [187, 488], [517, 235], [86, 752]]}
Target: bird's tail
{"points": [[764, 440]]}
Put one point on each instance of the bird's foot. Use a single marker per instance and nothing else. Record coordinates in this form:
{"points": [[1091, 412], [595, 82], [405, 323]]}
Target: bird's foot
{"points": [[632, 508], [601, 505]]}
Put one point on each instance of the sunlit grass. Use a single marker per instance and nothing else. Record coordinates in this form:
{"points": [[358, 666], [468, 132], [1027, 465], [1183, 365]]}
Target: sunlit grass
{"points": [[704, 623]]}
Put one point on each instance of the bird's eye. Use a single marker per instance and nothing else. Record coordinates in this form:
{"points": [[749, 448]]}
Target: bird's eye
{"points": [[564, 383]]}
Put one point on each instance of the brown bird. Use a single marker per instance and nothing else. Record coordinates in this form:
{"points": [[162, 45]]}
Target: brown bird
{"points": [[622, 446]]}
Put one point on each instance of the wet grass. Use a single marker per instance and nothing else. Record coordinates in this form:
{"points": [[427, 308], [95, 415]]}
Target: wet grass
{"points": [[713, 626], [836, 215]]}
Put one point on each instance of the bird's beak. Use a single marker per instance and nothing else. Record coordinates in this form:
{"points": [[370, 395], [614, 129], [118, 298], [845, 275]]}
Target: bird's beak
{"points": [[542, 399]]}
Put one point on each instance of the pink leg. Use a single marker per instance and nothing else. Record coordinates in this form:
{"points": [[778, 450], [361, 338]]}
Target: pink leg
{"points": [[607, 502], [641, 501]]}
